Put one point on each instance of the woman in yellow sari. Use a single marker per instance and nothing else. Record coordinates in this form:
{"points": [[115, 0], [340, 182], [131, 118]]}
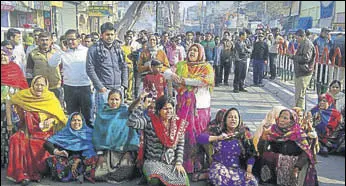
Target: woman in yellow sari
{"points": [[40, 116]]}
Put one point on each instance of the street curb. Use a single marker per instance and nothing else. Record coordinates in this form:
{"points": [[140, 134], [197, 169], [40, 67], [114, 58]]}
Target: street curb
{"points": [[284, 92]]}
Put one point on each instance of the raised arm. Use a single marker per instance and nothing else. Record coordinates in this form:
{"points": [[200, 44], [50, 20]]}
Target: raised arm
{"points": [[137, 120]]}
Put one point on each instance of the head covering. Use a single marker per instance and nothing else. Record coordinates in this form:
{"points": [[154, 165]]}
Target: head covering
{"points": [[11, 74], [293, 133], [201, 53], [267, 122], [215, 126], [75, 140], [325, 120], [199, 70], [328, 97], [47, 103], [156, 62]]}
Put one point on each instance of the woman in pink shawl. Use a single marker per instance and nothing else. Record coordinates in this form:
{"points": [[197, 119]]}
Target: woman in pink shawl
{"points": [[196, 80]]}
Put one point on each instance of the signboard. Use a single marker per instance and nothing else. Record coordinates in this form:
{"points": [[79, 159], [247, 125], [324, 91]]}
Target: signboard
{"points": [[295, 8], [58, 4], [100, 11], [7, 6]]}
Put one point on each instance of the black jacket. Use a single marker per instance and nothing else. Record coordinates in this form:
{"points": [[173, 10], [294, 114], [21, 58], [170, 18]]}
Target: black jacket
{"points": [[260, 51]]}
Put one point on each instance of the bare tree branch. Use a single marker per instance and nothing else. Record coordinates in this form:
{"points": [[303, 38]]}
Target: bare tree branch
{"points": [[131, 16]]}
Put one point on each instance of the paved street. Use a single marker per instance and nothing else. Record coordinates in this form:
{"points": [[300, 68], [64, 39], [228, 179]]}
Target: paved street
{"points": [[253, 107]]}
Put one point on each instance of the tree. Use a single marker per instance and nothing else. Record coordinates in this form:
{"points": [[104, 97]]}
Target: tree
{"points": [[131, 16]]}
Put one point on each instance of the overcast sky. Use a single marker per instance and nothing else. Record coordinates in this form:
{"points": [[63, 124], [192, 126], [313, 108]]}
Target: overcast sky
{"points": [[185, 4]]}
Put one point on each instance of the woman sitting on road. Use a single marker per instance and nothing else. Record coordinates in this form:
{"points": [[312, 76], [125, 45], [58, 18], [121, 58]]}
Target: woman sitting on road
{"points": [[232, 148], [73, 153], [114, 141], [328, 125], [40, 115], [214, 128], [265, 126], [287, 159], [163, 143], [339, 97], [306, 123]]}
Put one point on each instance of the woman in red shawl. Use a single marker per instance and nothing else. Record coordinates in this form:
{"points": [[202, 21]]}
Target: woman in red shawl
{"points": [[328, 125], [287, 159], [12, 80]]}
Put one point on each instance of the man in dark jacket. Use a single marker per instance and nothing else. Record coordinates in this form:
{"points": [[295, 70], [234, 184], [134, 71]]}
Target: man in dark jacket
{"points": [[303, 67], [259, 56], [106, 66], [242, 52]]}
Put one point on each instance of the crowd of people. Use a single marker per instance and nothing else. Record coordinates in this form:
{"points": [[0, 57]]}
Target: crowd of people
{"points": [[102, 109]]}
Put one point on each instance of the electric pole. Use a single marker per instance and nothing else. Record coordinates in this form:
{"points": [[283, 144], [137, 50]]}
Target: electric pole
{"points": [[157, 12]]}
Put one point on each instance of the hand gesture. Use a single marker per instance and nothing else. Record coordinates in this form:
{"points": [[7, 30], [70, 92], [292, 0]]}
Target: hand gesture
{"points": [[74, 167], [180, 170], [176, 79], [47, 124], [62, 153], [296, 172], [248, 175]]}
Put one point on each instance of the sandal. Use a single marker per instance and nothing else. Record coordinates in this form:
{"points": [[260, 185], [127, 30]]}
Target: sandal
{"points": [[199, 176]]}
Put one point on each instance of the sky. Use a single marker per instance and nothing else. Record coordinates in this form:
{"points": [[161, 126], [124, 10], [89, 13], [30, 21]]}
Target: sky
{"points": [[185, 4]]}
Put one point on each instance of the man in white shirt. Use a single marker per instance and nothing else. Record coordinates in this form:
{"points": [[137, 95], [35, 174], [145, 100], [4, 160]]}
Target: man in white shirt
{"points": [[77, 90], [14, 35]]}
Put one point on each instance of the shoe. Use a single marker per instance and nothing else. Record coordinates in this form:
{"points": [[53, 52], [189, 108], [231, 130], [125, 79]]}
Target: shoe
{"points": [[254, 85], [324, 152], [272, 78], [236, 91], [217, 85], [226, 83], [260, 85], [243, 90], [25, 182]]}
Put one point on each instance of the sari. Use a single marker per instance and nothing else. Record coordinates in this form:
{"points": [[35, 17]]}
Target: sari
{"points": [[231, 156], [266, 124], [12, 80], [196, 112], [27, 157], [285, 163], [327, 123], [79, 145]]}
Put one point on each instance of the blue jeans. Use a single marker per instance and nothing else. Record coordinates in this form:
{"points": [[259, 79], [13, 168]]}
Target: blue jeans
{"points": [[258, 67], [78, 99]]}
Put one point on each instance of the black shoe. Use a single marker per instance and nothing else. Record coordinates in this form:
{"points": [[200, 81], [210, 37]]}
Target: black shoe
{"points": [[254, 85], [236, 91], [217, 85], [25, 182], [272, 78], [226, 83], [260, 85], [243, 90]]}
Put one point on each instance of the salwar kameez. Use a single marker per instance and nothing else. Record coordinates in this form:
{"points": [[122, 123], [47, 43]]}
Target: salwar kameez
{"points": [[26, 153]]}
